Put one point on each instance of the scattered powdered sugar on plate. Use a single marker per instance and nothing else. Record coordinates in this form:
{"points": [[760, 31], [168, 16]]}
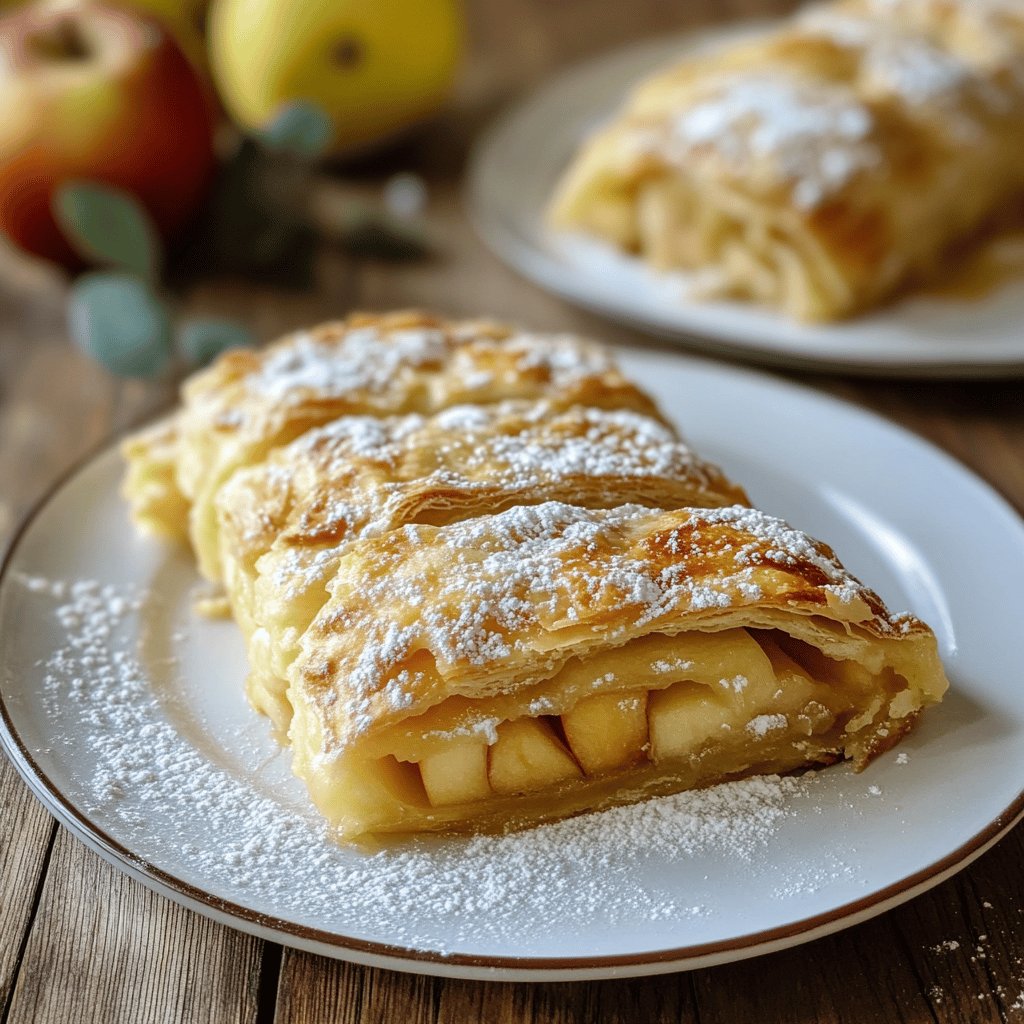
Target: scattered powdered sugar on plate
{"points": [[815, 876], [172, 804]]}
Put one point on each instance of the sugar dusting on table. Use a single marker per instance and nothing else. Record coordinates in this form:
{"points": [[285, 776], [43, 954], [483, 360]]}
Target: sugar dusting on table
{"points": [[171, 804]]}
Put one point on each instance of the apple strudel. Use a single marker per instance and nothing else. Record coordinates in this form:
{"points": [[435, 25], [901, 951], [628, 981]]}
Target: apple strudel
{"points": [[484, 584], [249, 402], [817, 168], [531, 664], [285, 523]]}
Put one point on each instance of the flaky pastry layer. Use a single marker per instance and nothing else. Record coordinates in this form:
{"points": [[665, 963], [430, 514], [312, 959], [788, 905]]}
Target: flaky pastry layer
{"points": [[819, 167], [440, 643], [249, 402], [285, 523]]}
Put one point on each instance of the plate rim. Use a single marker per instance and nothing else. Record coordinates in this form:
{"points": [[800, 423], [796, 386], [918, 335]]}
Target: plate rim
{"points": [[542, 268], [469, 965]]}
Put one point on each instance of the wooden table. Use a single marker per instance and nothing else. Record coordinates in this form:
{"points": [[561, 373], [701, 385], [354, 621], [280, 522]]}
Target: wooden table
{"points": [[81, 942]]}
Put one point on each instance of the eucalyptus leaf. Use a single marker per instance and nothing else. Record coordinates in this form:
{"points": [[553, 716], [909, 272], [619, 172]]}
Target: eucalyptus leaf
{"points": [[117, 320], [300, 128], [200, 341], [107, 225]]}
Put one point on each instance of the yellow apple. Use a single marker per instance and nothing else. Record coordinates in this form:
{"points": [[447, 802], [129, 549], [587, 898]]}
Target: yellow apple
{"points": [[373, 68]]}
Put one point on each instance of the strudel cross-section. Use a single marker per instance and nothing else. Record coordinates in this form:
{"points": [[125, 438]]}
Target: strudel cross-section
{"points": [[818, 166], [484, 584]]}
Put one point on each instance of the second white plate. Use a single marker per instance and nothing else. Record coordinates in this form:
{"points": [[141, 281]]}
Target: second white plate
{"points": [[513, 175], [125, 712]]}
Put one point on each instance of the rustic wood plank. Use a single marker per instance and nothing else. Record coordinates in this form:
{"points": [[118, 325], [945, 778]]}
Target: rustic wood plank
{"points": [[316, 989], [658, 1000], [25, 844], [105, 948], [857, 976], [37, 445], [966, 939]]}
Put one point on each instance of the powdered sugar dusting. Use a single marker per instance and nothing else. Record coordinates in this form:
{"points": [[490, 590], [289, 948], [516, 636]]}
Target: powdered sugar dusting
{"points": [[787, 547], [512, 447], [358, 361], [762, 725], [373, 361], [810, 136], [175, 805], [783, 124], [477, 592], [908, 67], [515, 442]]}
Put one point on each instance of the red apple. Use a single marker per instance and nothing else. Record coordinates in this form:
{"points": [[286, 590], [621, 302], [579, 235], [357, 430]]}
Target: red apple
{"points": [[90, 91]]}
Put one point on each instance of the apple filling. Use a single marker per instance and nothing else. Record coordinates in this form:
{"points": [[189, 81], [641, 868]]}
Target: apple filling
{"points": [[660, 714]]}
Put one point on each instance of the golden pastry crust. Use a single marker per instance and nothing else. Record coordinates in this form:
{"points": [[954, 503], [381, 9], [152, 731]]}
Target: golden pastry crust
{"points": [[462, 600], [361, 473], [249, 402], [284, 524], [815, 168], [987, 33], [443, 632], [150, 485]]}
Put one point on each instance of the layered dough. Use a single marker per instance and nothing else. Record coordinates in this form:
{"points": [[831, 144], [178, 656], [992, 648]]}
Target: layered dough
{"points": [[484, 584], [151, 484], [285, 523], [527, 665], [250, 402], [816, 168]]}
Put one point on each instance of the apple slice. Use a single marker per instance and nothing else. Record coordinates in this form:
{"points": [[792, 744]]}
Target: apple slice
{"points": [[608, 730], [529, 756], [456, 774], [683, 719], [731, 659]]}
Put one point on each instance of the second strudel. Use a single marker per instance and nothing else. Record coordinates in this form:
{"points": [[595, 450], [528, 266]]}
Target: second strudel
{"points": [[817, 167]]}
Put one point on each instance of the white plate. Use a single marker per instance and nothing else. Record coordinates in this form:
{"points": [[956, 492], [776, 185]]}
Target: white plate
{"points": [[146, 748], [513, 174]]}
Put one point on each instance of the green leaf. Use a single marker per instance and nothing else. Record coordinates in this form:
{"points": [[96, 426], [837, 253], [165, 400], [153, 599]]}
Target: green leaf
{"points": [[118, 320], [200, 341], [301, 128], [107, 225]]}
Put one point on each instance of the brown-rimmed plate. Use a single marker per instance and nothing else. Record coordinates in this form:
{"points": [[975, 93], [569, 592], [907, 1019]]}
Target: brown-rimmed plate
{"points": [[518, 162], [124, 711]]}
